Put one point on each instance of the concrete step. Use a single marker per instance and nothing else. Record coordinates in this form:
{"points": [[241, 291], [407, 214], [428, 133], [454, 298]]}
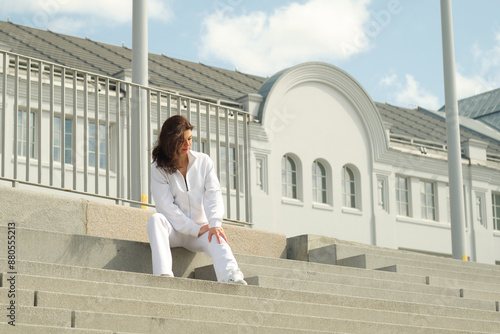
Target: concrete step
{"points": [[345, 249], [164, 295], [30, 315], [370, 306], [343, 282], [128, 307], [328, 288], [463, 284], [328, 269], [96, 252], [147, 324], [487, 281], [40, 329], [281, 293], [371, 261]]}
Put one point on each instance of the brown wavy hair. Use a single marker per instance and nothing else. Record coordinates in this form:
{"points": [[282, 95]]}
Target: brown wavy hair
{"points": [[169, 140]]}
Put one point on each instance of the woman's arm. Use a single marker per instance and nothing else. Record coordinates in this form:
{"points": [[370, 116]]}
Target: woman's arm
{"points": [[212, 198], [164, 200]]}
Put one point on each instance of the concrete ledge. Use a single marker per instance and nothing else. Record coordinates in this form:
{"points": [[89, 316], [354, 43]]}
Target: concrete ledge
{"points": [[42, 211], [67, 214]]}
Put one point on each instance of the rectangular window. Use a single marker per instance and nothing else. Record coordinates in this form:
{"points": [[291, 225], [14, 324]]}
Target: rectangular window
{"points": [[102, 145], [402, 196], [68, 135], [194, 146], [495, 200], [232, 167], [428, 200], [23, 126]]}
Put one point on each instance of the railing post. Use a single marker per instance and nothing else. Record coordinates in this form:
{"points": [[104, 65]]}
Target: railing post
{"points": [[140, 76]]}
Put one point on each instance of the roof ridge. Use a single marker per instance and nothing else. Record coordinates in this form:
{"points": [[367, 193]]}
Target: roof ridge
{"points": [[23, 42], [218, 70], [58, 47], [194, 69], [81, 46], [185, 76], [128, 59]]}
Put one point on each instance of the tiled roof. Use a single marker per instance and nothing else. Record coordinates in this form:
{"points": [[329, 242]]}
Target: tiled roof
{"points": [[484, 107], [220, 84], [431, 126], [105, 59]]}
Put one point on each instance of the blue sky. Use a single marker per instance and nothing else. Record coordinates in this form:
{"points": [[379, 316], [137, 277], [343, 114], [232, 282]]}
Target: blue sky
{"points": [[392, 47]]}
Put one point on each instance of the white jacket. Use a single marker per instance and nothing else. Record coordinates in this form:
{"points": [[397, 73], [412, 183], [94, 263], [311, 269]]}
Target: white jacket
{"points": [[189, 203]]}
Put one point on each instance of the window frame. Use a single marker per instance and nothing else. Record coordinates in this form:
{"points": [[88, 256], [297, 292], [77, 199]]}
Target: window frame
{"points": [[423, 200], [354, 186], [57, 131], [399, 190], [102, 140], [495, 204], [22, 128], [298, 199]]}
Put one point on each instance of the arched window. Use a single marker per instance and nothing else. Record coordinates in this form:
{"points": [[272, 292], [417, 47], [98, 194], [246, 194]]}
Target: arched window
{"points": [[289, 177], [349, 187], [319, 182]]}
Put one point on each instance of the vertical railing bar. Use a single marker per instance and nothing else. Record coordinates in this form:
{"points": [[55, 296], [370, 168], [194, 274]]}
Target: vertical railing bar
{"points": [[169, 105], [129, 141], [97, 137], [39, 137], [148, 91], [107, 134], [228, 170], [189, 110], [208, 128], [85, 132], [198, 126], [74, 130], [16, 116], [118, 142], [248, 198], [158, 113], [28, 119], [179, 105], [51, 127], [217, 141], [4, 111], [63, 127], [237, 162]]}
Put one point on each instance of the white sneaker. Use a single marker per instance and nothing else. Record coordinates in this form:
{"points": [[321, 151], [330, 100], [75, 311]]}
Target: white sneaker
{"points": [[236, 277]]}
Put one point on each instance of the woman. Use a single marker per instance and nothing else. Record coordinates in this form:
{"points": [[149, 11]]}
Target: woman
{"points": [[188, 202]]}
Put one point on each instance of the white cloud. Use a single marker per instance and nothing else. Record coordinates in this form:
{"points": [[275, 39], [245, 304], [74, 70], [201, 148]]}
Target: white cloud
{"points": [[69, 15], [486, 68], [265, 43], [388, 79], [408, 92]]}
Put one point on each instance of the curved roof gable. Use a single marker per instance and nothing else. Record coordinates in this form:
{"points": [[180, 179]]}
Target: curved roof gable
{"points": [[330, 75]]}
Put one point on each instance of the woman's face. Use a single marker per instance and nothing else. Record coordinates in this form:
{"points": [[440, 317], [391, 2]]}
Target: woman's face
{"points": [[185, 145]]}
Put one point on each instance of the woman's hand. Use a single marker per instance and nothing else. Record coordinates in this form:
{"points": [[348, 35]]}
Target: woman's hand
{"points": [[218, 232], [204, 229]]}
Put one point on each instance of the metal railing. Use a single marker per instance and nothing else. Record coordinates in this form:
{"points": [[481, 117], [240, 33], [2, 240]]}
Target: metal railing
{"points": [[71, 130]]}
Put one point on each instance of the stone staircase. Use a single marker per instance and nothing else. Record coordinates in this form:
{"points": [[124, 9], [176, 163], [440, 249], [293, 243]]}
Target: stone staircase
{"points": [[70, 283]]}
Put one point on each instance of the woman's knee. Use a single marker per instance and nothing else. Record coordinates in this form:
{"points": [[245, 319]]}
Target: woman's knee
{"points": [[158, 220]]}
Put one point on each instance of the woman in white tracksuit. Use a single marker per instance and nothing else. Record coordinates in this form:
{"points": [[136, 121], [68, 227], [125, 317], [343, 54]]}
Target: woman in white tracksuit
{"points": [[188, 202]]}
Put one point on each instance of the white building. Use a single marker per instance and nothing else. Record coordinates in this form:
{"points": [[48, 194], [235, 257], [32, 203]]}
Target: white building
{"points": [[315, 155]]}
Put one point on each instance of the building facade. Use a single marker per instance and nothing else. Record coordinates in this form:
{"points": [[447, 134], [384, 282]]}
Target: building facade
{"points": [[306, 151]]}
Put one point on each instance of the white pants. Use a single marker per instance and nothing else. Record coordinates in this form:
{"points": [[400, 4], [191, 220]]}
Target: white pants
{"points": [[162, 237]]}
